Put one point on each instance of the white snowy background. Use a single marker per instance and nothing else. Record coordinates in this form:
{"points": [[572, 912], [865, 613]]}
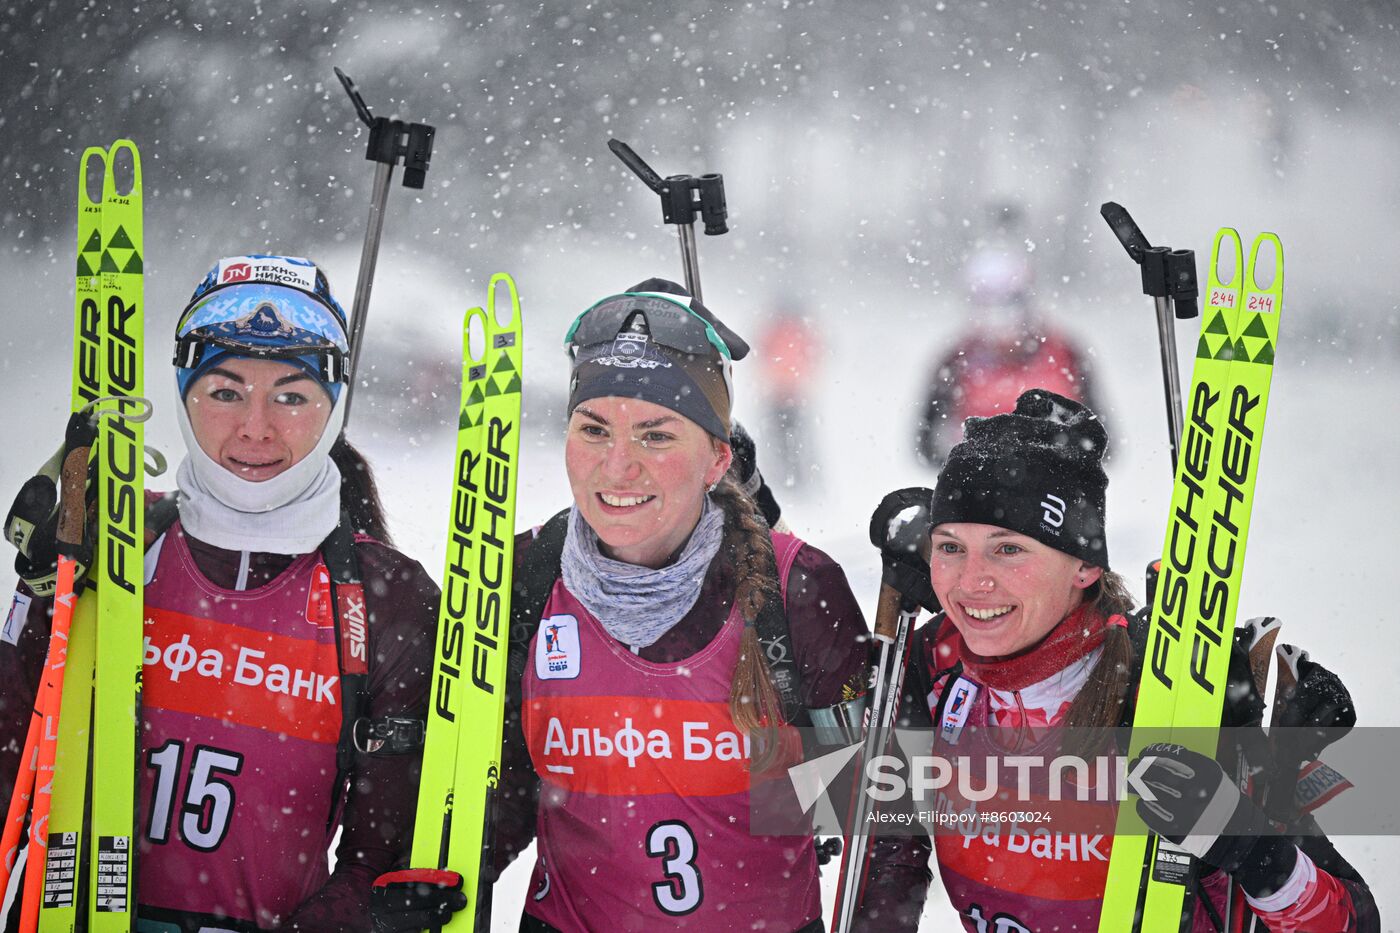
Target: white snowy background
{"points": [[860, 152]]}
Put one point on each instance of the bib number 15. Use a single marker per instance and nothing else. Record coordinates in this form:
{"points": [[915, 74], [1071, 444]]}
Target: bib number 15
{"points": [[207, 806], [681, 893]]}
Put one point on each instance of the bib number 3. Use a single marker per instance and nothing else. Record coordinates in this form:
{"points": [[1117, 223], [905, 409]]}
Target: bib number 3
{"points": [[682, 891]]}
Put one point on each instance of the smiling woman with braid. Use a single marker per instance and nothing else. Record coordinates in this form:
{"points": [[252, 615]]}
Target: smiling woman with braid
{"points": [[650, 597]]}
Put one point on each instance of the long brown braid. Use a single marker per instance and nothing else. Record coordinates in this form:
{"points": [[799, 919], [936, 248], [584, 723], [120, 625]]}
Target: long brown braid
{"points": [[1098, 707], [754, 703]]}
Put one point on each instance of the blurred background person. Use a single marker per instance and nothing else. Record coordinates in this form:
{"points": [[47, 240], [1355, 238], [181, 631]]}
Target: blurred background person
{"points": [[1008, 346], [790, 352]]}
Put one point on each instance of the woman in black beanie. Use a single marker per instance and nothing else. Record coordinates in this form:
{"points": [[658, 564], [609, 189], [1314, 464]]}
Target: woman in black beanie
{"points": [[647, 689], [1037, 633]]}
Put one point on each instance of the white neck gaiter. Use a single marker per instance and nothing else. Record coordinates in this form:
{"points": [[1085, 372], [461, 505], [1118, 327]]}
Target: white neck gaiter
{"points": [[292, 513]]}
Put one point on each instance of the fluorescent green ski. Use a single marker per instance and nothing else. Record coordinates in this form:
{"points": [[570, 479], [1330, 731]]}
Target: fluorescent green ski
{"points": [[120, 546], [58, 910], [483, 705], [435, 790], [462, 756], [1186, 666], [1163, 664]]}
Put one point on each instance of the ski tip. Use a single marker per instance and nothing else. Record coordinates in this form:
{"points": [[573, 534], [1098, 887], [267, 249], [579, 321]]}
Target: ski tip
{"points": [[90, 154], [1235, 247], [475, 326], [109, 184], [1275, 279], [492, 313]]}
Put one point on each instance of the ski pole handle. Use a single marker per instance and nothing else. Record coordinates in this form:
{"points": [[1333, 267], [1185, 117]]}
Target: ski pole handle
{"points": [[638, 166], [1169, 279], [72, 510], [78, 438], [682, 198], [38, 759], [887, 613]]}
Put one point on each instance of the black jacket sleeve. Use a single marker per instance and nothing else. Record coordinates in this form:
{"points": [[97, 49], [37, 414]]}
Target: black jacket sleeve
{"points": [[377, 823], [517, 800]]}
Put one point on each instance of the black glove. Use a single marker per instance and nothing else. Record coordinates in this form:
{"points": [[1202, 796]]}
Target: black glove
{"points": [[900, 528], [31, 525], [1318, 706], [1309, 715], [1243, 704], [1200, 809], [415, 899], [744, 469]]}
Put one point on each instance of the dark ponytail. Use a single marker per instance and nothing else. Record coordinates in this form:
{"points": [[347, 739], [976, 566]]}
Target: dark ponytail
{"points": [[1098, 707], [359, 496], [754, 702]]}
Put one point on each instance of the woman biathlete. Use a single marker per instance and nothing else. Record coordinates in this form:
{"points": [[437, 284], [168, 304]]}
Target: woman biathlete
{"points": [[284, 639], [648, 690], [1037, 635]]}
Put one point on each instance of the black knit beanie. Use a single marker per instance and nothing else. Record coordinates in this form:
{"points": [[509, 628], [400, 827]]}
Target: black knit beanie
{"points": [[696, 385], [1036, 471]]}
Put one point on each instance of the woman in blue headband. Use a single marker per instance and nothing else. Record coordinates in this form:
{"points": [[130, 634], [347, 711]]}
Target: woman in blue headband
{"points": [[287, 645]]}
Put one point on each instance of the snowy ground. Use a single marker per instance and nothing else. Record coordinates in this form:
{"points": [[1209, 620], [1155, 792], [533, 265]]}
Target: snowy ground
{"points": [[1325, 503]]}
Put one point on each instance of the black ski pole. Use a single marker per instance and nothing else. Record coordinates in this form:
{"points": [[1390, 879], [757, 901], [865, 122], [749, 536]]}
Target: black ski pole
{"points": [[682, 197], [390, 141], [900, 528], [1169, 278]]}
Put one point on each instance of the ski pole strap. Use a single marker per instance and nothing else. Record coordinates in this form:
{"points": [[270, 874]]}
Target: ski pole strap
{"points": [[1138, 625], [776, 638], [352, 649], [540, 566]]}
